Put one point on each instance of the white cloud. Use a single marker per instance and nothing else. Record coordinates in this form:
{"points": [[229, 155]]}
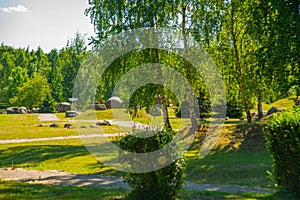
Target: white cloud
{"points": [[19, 8]]}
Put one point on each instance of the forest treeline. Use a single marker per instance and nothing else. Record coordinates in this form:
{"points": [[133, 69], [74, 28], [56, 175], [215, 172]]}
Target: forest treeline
{"points": [[33, 78], [255, 45]]}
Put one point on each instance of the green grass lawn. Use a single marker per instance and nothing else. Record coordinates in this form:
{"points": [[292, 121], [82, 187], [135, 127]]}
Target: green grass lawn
{"points": [[239, 158], [282, 103], [17, 190]]}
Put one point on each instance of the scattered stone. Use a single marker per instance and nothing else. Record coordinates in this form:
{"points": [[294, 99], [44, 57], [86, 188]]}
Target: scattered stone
{"points": [[98, 107], [42, 125], [114, 102], [63, 107], [103, 123], [71, 113], [34, 110], [273, 110], [68, 125], [22, 110], [12, 110], [94, 126], [83, 127], [54, 125], [227, 118]]}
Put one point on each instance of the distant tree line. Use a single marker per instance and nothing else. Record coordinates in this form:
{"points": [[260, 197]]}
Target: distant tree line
{"points": [[33, 78]]}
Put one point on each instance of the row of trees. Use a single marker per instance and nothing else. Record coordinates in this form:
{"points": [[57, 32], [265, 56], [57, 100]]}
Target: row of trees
{"points": [[255, 44], [37, 79]]}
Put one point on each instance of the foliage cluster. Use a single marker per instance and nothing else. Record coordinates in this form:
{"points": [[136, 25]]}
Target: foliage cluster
{"points": [[283, 141], [163, 183], [33, 78]]}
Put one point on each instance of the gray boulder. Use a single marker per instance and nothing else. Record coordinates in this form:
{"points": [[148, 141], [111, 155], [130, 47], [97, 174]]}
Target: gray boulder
{"points": [[12, 110], [274, 110], [114, 102], [22, 110], [98, 107], [71, 113], [103, 123], [55, 125], [63, 107]]}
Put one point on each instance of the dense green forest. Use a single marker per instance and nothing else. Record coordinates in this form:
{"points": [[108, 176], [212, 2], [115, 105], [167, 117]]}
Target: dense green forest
{"points": [[255, 45]]}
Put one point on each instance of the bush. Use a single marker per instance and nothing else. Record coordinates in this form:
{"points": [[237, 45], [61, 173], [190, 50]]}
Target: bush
{"points": [[234, 110], [48, 105], [161, 184], [283, 141]]}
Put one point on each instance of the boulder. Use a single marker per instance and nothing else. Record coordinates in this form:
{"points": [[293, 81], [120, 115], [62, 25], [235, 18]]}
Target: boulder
{"points": [[22, 110], [63, 107], [71, 113], [114, 102], [274, 110], [227, 118], [103, 123], [83, 127], [68, 126], [94, 126], [55, 125], [35, 110], [42, 125], [98, 107], [12, 110]]}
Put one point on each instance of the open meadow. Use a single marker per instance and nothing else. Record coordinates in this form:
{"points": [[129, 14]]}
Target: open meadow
{"points": [[239, 158]]}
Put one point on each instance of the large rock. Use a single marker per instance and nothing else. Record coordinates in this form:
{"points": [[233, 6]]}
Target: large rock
{"points": [[98, 107], [63, 107], [103, 123], [22, 110], [12, 110], [114, 102], [274, 110], [71, 113]]}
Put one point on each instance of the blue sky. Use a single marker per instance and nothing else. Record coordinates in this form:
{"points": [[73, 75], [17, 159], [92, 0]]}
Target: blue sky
{"points": [[46, 23]]}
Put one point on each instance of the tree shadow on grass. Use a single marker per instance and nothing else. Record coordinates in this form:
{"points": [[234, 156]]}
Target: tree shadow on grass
{"points": [[50, 156], [239, 158], [19, 155]]}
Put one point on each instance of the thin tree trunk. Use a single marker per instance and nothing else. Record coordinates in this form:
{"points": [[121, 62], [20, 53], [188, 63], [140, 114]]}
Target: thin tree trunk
{"points": [[191, 99], [259, 105], [162, 96], [238, 65]]}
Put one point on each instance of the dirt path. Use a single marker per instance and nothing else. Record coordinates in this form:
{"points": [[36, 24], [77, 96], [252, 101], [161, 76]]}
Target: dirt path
{"points": [[94, 180], [48, 117], [58, 138]]}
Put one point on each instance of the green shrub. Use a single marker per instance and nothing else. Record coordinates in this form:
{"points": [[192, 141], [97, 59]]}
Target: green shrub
{"points": [[283, 141], [234, 110], [161, 184]]}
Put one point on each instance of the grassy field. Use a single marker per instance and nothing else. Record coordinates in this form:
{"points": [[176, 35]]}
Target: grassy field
{"points": [[239, 158], [19, 190]]}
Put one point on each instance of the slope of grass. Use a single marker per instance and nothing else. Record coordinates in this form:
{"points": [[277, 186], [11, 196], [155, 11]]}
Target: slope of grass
{"points": [[287, 104], [239, 157]]}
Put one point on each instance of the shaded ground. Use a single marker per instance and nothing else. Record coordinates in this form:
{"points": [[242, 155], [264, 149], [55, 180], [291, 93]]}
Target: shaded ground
{"points": [[94, 180]]}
